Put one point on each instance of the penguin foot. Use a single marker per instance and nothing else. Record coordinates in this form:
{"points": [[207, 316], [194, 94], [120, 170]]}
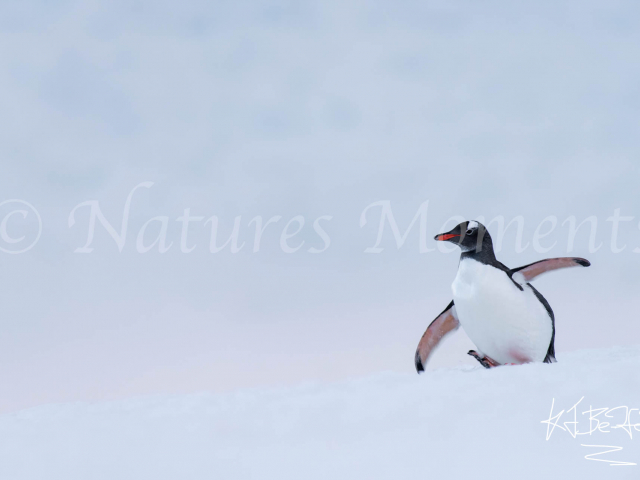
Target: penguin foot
{"points": [[486, 362]]}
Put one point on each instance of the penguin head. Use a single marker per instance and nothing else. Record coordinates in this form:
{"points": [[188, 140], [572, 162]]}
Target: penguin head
{"points": [[469, 236]]}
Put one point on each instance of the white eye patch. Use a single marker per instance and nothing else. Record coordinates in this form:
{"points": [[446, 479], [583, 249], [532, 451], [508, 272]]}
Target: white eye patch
{"points": [[472, 225]]}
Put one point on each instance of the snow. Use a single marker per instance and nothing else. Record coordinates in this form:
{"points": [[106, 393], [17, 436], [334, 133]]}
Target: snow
{"points": [[464, 422]]}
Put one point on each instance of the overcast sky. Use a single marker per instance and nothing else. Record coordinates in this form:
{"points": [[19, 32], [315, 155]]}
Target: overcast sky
{"points": [[308, 110]]}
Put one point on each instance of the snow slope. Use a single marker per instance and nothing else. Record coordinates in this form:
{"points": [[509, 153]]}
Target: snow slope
{"points": [[449, 423]]}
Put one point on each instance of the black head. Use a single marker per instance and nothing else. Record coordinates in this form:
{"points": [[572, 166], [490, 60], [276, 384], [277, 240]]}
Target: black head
{"points": [[472, 237]]}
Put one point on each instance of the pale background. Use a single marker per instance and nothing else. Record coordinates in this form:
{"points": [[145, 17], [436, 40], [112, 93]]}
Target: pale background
{"points": [[287, 108]]}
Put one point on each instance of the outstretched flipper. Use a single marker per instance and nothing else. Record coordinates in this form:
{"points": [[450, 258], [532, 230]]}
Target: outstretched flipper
{"points": [[444, 324], [528, 272]]}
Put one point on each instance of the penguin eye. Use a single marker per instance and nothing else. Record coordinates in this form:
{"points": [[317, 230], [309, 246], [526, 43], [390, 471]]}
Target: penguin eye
{"points": [[471, 231]]}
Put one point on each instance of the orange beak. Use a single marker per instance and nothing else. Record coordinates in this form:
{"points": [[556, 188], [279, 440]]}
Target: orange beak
{"points": [[445, 236]]}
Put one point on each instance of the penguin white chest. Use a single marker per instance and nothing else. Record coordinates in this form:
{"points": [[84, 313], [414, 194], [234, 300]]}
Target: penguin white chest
{"points": [[507, 324]]}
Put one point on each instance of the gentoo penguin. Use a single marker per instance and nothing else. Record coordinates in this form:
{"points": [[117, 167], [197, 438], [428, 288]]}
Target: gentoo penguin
{"points": [[507, 319]]}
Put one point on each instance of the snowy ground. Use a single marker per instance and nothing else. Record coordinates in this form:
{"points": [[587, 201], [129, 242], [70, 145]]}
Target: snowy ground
{"points": [[449, 423]]}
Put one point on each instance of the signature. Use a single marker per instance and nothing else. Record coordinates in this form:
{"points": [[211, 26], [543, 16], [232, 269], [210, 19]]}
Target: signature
{"points": [[600, 420]]}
